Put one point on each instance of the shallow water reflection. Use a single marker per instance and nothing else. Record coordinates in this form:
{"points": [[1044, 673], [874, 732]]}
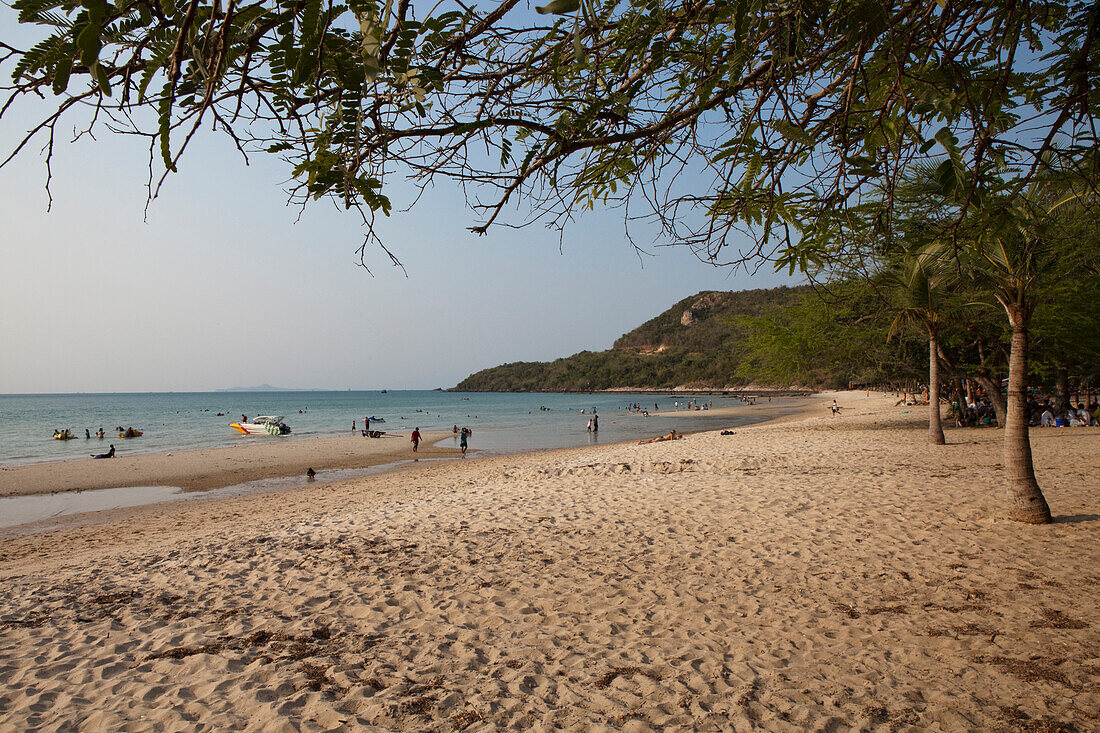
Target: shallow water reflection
{"points": [[20, 510]]}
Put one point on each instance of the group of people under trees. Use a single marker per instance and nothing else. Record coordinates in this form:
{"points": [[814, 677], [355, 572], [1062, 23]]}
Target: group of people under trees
{"points": [[1044, 415], [1039, 413]]}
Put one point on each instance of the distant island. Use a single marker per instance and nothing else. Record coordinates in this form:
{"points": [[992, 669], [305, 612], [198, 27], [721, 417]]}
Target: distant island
{"points": [[265, 388], [697, 344]]}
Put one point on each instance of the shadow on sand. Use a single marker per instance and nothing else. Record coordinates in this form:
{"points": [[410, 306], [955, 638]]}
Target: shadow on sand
{"points": [[1077, 518]]}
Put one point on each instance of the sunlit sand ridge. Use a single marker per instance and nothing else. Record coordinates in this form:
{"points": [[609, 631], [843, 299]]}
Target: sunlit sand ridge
{"points": [[822, 574]]}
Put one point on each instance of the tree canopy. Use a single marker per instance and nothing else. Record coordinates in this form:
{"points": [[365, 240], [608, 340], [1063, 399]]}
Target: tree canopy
{"points": [[779, 119]]}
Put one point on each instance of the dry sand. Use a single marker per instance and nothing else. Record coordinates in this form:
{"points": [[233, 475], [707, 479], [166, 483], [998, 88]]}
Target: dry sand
{"points": [[255, 458], [829, 574]]}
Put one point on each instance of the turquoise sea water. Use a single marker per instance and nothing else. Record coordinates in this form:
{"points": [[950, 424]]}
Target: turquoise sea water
{"points": [[501, 422]]}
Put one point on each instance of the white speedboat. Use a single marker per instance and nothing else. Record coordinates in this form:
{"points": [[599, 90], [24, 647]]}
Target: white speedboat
{"points": [[262, 425]]}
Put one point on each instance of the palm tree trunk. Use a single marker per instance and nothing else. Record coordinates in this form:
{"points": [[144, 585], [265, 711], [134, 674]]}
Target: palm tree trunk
{"points": [[935, 426], [1025, 499]]}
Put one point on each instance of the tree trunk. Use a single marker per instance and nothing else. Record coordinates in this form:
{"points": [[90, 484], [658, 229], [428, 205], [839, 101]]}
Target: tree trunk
{"points": [[935, 426], [1025, 499], [992, 389], [1061, 391], [958, 398]]}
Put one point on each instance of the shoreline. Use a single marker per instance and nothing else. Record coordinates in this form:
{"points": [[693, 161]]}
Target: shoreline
{"points": [[268, 458], [214, 468], [716, 391]]}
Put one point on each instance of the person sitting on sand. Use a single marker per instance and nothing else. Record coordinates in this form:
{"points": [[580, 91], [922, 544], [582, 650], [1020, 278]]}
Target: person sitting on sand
{"points": [[108, 454], [310, 473], [672, 435]]}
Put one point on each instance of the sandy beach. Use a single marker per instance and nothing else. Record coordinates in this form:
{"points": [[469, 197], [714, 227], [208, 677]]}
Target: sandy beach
{"points": [[831, 573]]}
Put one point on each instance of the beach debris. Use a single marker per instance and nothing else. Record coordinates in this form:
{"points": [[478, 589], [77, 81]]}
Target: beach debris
{"points": [[1030, 670], [318, 679], [970, 629], [1021, 720], [465, 719], [1053, 619], [181, 652], [852, 612], [29, 620]]}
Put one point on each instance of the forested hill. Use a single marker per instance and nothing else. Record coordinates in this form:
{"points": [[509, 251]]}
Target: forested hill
{"points": [[695, 344]]}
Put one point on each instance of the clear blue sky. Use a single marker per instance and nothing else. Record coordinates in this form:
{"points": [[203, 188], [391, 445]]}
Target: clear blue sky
{"points": [[221, 288]]}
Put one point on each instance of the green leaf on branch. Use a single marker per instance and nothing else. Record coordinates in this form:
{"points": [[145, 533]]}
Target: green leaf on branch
{"points": [[102, 80], [165, 128], [558, 7], [792, 132], [89, 44], [61, 74]]}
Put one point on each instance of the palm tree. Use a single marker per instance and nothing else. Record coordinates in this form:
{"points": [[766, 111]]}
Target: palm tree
{"points": [[919, 281], [1019, 260], [1016, 248]]}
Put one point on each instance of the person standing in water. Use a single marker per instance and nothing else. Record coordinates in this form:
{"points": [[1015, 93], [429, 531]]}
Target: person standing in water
{"points": [[463, 439], [595, 423]]}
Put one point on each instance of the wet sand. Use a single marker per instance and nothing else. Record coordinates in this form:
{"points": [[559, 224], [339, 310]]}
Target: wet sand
{"points": [[255, 458]]}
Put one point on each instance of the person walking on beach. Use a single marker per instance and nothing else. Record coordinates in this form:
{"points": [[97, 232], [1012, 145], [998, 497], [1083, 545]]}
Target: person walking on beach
{"points": [[463, 439], [415, 438]]}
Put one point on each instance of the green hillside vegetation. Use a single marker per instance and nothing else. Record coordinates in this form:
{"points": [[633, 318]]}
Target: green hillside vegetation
{"points": [[701, 342], [832, 337]]}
